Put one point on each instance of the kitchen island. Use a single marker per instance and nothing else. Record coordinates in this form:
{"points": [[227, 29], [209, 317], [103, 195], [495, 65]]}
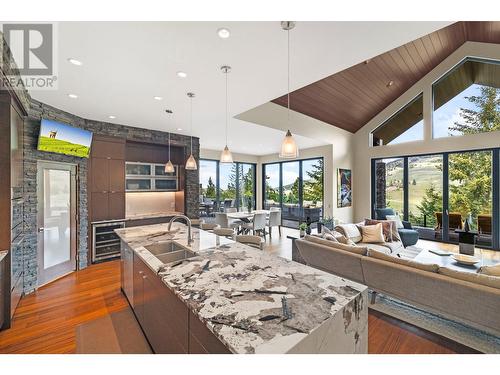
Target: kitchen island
{"points": [[229, 297]]}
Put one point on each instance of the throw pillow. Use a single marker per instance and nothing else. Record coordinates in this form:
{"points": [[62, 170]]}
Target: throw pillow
{"points": [[490, 270], [350, 231], [372, 233], [396, 219], [329, 237], [386, 227]]}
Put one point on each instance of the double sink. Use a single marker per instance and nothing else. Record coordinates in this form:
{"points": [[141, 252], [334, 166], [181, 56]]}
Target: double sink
{"points": [[169, 251]]}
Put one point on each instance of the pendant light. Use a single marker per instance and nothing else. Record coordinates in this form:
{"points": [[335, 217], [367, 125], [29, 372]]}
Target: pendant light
{"points": [[169, 167], [226, 156], [289, 149], [191, 162]]}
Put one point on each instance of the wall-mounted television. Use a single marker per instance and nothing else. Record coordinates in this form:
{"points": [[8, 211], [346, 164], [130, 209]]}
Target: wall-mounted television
{"points": [[64, 139]]}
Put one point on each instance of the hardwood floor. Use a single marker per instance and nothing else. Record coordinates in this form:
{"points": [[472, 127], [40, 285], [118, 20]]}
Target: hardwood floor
{"points": [[45, 321]]}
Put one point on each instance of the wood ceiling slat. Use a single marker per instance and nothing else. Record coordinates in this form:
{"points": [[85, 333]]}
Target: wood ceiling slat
{"points": [[350, 98]]}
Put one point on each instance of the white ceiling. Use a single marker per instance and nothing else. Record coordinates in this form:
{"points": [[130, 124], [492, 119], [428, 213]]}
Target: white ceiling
{"points": [[125, 64]]}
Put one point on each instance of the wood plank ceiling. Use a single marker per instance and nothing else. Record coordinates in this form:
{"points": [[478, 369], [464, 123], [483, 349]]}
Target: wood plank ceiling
{"points": [[352, 97]]}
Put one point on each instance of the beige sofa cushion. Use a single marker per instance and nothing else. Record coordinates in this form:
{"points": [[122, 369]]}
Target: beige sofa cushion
{"points": [[490, 270], [380, 247], [491, 281], [372, 233], [361, 250], [404, 262], [351, 231]]}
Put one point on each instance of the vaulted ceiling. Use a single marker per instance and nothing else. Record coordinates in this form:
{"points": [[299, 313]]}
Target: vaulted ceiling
{"points": [[352, 97]]}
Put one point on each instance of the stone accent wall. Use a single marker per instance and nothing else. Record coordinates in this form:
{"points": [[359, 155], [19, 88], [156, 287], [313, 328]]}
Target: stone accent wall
{"points": [[40, 110]]}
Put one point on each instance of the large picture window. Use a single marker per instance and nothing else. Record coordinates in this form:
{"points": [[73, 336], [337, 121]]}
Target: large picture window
{"points": [[438, 193], [467, 99], [297, 188], [404, 126], [225, 186]]}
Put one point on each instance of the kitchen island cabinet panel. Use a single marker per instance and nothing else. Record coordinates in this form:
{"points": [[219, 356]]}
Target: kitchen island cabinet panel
{"points": [[201, 340]]}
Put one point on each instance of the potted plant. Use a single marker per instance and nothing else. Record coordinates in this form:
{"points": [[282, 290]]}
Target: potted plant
{"points": [[302, 229]]}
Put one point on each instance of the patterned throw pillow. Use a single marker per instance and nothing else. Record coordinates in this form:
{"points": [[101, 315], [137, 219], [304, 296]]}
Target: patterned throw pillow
{"points": [[339, 237], [386, 227]]}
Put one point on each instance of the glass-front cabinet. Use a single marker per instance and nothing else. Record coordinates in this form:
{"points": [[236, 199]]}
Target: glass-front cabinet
{"points": [[150, 177]]}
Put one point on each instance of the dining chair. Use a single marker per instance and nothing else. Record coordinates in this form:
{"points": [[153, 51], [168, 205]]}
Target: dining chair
{"points": [[209, 226], [254, 241], [274, 221], [257, 225], [223, 221], [224, 232]]}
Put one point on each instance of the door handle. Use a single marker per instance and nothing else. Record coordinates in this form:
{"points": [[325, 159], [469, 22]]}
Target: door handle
{"points": [[41, 229]]}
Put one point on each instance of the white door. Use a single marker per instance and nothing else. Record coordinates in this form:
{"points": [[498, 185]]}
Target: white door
{"points": [[56, 193]]}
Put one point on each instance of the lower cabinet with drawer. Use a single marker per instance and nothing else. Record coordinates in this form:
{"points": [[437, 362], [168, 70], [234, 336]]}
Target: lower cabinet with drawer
{"points": [[169, 326]]}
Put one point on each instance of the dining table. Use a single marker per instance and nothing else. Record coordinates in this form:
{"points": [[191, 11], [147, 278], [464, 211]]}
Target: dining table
{"points": [[245, 217]]}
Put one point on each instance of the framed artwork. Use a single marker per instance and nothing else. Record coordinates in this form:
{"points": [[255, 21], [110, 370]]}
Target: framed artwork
{"points": [[344, 188]]}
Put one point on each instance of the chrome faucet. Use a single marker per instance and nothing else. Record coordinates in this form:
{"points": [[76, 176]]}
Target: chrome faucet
{"points": [[188, 221]]}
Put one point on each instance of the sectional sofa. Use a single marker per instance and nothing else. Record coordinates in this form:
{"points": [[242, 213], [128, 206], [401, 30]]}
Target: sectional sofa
{"points": [[472, 299]]}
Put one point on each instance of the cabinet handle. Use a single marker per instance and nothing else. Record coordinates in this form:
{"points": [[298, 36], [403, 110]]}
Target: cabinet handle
{"points": [[144, 277], [112, 191], [140, 272], [104, 192]]}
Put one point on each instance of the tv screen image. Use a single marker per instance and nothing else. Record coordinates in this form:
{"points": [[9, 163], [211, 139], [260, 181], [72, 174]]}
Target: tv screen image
{"points": [[64, 139]]}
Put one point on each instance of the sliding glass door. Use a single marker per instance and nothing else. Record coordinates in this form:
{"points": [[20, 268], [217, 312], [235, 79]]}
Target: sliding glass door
{"points": [[470, 194], [297, 188], [224, 186], [438, 193], [425, 194]]}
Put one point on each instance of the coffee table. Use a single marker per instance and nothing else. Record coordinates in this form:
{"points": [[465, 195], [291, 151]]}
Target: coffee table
{"points": [[426, 257]]}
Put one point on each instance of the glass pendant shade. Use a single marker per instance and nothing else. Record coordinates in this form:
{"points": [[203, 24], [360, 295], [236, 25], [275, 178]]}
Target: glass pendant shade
{"points": [[191, 163], [289, 149], [226, 156], [169, 167]]}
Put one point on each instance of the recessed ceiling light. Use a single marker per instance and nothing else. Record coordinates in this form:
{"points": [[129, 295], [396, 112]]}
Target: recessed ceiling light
{"points": [[73, 96], [390, 83], [182, 74], [179, 129], [75, 62], [111, 116], [223, 33], [157, 98]]}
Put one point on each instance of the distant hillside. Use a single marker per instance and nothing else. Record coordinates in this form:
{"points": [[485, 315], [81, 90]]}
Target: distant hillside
{"points": [[62, 147]]}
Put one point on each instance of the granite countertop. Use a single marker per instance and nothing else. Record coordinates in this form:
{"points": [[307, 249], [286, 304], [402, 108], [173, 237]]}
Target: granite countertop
{"points": [[155, 215], [3, 254], [253, 301]]}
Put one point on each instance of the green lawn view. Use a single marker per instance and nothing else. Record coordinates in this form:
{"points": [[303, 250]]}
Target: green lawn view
{"points": [[62, 147], [424, 172]]}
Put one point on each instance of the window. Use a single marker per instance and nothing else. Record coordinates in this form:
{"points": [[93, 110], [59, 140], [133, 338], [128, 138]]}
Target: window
{"points": [[406, 125], [438, 193], [297, 188], [425, 192], [272, 186], [226, 185], [467, 100]]}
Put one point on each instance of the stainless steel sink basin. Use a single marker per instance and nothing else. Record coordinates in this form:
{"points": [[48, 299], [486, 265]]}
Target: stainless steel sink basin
{"points": [[163, 247], [175, 256]]}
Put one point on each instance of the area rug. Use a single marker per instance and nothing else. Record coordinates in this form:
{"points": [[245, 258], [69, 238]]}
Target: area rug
{"points": [[117, 333], [463, 334]]}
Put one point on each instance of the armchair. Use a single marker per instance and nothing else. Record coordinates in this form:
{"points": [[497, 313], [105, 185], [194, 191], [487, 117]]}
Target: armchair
{"points": [[409, 236]]}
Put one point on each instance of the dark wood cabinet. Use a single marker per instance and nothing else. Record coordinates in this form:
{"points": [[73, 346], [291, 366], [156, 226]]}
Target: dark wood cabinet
{"points": [[166, 321], [107, 179], [2, 293]]}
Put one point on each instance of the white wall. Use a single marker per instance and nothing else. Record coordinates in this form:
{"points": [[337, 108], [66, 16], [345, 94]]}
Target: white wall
{"points": [[364, 153], [215, 155], [336, 152]]}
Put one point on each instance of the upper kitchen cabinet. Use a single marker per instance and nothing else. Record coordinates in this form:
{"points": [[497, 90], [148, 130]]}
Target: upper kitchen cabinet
{"points": [[107, 178]]}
